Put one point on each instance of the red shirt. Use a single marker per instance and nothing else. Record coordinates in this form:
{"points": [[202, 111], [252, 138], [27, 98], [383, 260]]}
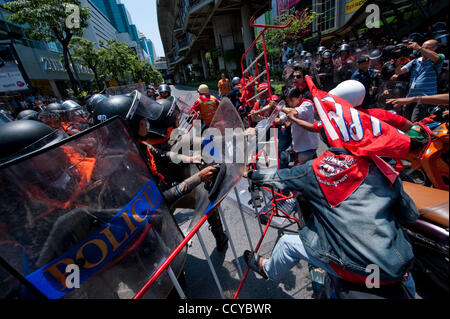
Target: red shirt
{"points": [[392, 119]]}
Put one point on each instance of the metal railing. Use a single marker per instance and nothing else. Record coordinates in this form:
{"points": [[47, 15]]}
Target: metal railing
{"points": [[272, 206]]}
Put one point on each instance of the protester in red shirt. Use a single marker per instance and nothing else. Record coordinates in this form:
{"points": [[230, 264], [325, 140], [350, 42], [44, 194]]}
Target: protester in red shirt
{"points": [[249, 92]]}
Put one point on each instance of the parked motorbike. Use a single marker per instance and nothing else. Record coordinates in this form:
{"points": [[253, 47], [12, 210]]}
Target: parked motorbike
{"points": [[429, 234], [433, 168]]}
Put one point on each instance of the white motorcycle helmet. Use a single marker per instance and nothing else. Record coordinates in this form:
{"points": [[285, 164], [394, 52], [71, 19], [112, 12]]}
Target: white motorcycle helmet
{"points": [[352, 91]]}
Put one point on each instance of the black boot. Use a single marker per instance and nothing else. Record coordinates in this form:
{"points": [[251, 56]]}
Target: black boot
{"points": [[217, 230]]}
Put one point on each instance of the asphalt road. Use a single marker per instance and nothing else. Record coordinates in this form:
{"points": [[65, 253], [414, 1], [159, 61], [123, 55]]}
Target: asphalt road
{"points": [[200, 282]]}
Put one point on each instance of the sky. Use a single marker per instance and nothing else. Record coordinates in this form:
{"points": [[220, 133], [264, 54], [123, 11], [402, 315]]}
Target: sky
{"points": [[144, 16]]}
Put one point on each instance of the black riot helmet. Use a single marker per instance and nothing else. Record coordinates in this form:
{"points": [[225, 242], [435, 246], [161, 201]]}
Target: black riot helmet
{"points": [[326, 54], [375, 54], [157, 126], [118, 105], [56, 115], [164, 88], [28, 115], [417, 37], [387, 53], [320, 50], [93, 100], [25, 136], [159, 115], [296, 66], [55, 107], [345, 47], [71, 105]]}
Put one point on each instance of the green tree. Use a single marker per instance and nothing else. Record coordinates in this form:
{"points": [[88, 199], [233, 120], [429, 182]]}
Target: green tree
{"points": [[118, 60], [52, 20], [143, 71], [299, 22], [85, 52]]}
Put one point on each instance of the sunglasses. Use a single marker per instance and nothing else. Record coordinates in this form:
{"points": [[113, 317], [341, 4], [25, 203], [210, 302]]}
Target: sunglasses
{"points": [[298, 76]]}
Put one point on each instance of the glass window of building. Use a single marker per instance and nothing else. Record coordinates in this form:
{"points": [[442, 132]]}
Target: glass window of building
{"points": [[327, 18]]}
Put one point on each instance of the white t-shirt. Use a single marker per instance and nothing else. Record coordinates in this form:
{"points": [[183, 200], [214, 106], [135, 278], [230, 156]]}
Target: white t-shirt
{"points": [[302, 139]]}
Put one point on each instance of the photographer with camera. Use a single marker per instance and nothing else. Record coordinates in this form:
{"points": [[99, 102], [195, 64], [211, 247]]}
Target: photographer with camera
{"points": [[425, 72]]}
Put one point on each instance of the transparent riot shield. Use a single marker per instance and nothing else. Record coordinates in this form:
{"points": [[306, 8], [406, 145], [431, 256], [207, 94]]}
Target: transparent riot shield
{"points": [[189, 98], [126, 89], [223, 143], [84, 219], [185, 117]]}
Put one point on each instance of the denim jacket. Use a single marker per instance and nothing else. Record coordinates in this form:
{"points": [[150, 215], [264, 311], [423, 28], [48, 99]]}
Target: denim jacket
{"points": [[363, 230]]}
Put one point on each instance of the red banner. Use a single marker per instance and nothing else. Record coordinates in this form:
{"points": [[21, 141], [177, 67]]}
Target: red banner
{"points": [[358, 132]]}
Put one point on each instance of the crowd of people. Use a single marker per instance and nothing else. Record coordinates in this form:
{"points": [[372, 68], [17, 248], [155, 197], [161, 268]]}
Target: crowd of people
{"points": [[395, 82]]}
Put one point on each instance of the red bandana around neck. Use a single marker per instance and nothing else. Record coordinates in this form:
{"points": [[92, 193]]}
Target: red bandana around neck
{"points": [[339, 175], [205, 97]]}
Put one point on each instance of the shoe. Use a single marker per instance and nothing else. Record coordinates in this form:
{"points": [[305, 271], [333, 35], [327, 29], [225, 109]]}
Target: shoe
{"points": [[221, 242], [252, 262], [264, 219]]}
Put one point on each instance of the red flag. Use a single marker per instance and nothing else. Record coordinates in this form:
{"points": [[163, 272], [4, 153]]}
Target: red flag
{"points": [[358, 132]]}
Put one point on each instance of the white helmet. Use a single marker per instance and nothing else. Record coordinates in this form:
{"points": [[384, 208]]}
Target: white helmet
{"points": [[352, 91], [203, 89]]}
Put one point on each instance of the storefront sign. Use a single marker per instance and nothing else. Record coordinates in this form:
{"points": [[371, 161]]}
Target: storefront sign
{"points": [[11, 76], [353, 5], [54, 65]]}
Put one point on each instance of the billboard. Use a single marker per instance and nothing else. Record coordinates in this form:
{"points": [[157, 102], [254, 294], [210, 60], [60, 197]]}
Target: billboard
{"points": [[12, 78], [283, 5], [353, 5]]}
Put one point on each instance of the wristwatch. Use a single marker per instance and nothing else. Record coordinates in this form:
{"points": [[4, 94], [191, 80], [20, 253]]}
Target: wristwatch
{"points": [[419, 99]]}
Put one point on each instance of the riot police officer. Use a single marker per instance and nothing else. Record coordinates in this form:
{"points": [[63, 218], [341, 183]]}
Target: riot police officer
{"points": [[346, 63], [326, 71], [152, 124], [164, 91]]}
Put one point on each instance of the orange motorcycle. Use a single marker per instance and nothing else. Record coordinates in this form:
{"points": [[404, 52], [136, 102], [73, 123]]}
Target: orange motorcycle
{"points": [[432, 168]]}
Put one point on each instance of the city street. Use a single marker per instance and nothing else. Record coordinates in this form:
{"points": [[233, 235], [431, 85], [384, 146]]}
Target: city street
{"points": [[124, 123]]}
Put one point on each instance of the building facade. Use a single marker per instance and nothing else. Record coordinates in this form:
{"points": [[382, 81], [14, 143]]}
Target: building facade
{"points": [[40, 61], [127, 32], [192, 28], [100, 28]]}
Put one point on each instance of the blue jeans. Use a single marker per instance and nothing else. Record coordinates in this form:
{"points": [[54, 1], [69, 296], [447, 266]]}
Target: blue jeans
{"points": [[290, 250]]}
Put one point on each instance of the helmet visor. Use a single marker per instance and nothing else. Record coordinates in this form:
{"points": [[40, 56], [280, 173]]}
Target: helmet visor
{"points": [[144, 107]]}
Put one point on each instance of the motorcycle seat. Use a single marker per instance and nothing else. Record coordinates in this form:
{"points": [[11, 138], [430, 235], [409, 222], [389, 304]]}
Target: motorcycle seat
{"points": [[436, 214], [432, 203]]}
